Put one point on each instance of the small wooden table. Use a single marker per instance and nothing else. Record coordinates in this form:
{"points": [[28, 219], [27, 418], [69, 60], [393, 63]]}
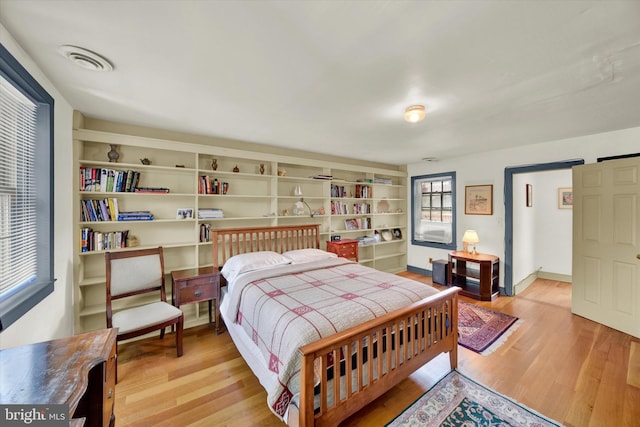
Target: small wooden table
{"points": [[481, 282], [346, 248], [195, 285]]}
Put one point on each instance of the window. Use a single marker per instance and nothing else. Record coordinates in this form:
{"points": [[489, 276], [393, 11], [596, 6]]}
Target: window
{"points": [[26, 191], [433, 210]]}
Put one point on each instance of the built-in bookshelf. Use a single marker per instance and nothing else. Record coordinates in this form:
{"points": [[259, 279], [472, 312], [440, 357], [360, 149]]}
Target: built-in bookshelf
{"points": [[187, 189]]}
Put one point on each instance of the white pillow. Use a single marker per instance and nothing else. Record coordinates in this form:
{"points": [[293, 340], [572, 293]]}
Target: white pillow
{"points": [[242, 263], [307, 255]]}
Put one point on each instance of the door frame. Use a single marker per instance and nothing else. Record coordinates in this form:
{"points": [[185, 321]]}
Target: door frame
{"points": [[509, 172]]}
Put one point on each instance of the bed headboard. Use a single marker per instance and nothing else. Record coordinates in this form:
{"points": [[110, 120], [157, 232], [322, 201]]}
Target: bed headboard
{"points": [[228, 242]]}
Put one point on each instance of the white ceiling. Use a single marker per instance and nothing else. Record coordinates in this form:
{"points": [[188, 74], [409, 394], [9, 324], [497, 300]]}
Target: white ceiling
{"points": [[336, 76]]}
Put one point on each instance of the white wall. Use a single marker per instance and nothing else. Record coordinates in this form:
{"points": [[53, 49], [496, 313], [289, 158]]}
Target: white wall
{"points": [[542, 233], [52, 317], [488, 168]]}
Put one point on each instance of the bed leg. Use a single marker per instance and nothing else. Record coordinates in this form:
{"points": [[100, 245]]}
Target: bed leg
{"points": [[453, 357]]}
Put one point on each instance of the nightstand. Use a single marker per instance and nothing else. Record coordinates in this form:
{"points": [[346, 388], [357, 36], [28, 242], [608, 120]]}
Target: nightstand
{"points": [[195, 285], [346, 248]]}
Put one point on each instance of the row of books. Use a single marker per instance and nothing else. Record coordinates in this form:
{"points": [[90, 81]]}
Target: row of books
{"points": [[205, 232], [208, 186], [209, 213], [99, 241], [99, 210], [108, 180], [340, 208], [361, 191]]}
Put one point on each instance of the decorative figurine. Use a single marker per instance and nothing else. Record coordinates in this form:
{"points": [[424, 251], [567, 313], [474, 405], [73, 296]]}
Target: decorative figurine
{"points": [[214, 164], [145, 161], [236, 169], [113, 155], [261, 168]]}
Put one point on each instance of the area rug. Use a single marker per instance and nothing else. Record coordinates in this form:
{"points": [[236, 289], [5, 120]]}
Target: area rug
{"points": [[483, 330], [457, 400]]}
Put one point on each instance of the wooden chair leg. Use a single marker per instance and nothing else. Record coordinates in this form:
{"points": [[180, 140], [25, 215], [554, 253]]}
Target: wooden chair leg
{"points": [[162, 333], [179, 335]]}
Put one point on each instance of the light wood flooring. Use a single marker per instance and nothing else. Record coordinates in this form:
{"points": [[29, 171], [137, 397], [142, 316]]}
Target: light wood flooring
{"points": [[568, 368]]}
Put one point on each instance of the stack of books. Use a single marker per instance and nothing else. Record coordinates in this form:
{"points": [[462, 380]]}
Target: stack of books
{"points": [[209, 213], [135, 216]]}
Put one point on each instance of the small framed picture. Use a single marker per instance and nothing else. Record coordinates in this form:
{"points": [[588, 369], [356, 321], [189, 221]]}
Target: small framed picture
{"points": [[351, 224], [565, 198], [184, 213], [529, 195], [478, 200]]}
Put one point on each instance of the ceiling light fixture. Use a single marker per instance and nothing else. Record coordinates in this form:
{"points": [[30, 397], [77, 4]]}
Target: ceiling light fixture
{"points": [[85, 58], [414, 113]]}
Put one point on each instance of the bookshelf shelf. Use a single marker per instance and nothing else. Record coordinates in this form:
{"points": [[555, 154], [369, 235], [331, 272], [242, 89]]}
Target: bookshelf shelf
{"points": [[252, 198]]}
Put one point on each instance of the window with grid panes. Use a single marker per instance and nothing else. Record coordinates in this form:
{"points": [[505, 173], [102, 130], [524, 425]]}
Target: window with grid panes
{"points": [[433, 210]]}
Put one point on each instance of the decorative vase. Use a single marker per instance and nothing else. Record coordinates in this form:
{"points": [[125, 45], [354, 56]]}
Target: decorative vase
{"points": [[113, 155], [261, 168], [214, 164]]}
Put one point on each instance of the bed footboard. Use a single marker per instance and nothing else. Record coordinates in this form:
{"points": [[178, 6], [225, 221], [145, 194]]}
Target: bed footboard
{"points": [[375, 356]]}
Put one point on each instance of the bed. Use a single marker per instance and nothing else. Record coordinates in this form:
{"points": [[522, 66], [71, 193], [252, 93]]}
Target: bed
{"points": [[325, 336]]}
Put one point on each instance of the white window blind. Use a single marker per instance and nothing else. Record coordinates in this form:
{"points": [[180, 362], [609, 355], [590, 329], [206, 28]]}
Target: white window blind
{"points": [[18, 215]]}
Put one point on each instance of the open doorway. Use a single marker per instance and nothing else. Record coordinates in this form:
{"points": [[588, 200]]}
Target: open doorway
{"points": [[509, 187]]}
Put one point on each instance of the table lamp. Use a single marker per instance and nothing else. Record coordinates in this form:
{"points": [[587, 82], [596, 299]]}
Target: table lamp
{"points": [[470, 236]]}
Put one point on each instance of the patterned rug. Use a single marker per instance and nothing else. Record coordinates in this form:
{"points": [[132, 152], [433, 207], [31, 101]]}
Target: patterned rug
{"points": [[481, 327], [459, 401]]}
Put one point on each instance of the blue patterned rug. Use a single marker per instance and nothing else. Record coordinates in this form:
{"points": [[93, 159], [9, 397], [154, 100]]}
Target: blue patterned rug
{"points": [[459, 401]]}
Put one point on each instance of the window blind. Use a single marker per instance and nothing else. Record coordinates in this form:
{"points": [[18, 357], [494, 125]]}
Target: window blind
{"points": [[18, 208]]}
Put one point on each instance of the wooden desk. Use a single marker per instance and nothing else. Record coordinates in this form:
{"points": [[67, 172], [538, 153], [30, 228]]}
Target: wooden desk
{"points": [[195, 285], [346, 248], [79, 371], [481, 282]]}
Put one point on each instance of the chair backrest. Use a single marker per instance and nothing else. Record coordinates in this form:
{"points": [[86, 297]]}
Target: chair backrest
{"points": [[135, 272]]}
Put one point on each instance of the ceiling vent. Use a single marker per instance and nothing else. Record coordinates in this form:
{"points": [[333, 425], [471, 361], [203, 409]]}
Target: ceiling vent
{"points": [[85, 58]]}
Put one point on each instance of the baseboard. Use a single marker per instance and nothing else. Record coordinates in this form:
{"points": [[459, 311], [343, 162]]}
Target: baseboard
{"points": [[524, 283], [555, 276], [419, 270]]}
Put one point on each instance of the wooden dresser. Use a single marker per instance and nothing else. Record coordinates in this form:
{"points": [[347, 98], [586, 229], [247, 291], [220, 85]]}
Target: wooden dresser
{"points": [[79, 371]]}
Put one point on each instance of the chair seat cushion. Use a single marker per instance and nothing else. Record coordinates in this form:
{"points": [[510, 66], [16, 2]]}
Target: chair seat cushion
{"points": [[144, 316]]}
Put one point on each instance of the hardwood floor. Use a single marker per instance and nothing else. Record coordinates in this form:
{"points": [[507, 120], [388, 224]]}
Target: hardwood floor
{"points": [[568, 368]]}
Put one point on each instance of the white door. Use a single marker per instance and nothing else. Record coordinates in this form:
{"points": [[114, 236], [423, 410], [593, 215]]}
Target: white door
{"points": [[606, 243]]}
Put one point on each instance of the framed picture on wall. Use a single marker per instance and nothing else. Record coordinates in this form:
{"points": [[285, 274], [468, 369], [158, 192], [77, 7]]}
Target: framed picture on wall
{"points": [[478, 200], [565, 198], [529, 195]]}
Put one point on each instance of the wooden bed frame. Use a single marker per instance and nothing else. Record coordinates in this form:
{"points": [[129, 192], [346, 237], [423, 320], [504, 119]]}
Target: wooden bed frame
{"points": [[431, 326]]}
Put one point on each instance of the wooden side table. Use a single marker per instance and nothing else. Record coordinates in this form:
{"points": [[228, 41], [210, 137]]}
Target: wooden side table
{"points": [[195, 285], [481, 282], [346, 248]]}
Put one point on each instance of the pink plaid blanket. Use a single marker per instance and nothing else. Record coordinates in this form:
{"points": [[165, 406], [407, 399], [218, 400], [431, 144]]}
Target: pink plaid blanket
{"points": [[284, 308]]}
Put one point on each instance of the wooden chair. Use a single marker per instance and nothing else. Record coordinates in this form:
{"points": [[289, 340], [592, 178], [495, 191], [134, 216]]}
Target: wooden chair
{"points": [[133, 273]]}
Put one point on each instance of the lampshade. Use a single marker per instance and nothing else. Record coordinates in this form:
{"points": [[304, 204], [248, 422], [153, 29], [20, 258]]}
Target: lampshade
{"points": [[414, 113], [470, 236], [297, 191]]}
